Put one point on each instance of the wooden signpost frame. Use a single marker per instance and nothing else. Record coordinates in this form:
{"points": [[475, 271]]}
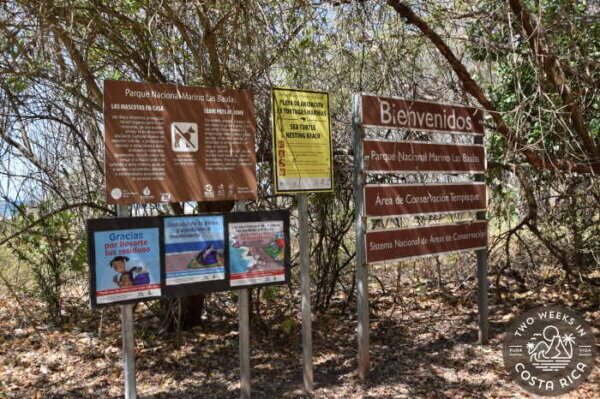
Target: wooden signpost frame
{"points": [[114, 195], [127, 324], [303, 227], [361, 219]]}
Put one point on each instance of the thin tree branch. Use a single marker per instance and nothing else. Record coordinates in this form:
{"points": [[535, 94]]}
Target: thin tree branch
{"points": [[55, 212], [553, 69], [540, 161]]}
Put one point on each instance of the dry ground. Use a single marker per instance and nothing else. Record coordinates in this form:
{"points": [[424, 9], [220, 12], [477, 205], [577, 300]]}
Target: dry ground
{"points": [[423, 345]]}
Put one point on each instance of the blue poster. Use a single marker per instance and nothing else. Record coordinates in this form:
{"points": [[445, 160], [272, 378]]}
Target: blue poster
{"points": [[127, 264], [194, 249]]}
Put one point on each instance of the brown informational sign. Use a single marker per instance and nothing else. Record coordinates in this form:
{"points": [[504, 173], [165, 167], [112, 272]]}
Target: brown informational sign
{"points": [[393, 156], [422, 241], [419, 115], [418, 199], [168, 143]]}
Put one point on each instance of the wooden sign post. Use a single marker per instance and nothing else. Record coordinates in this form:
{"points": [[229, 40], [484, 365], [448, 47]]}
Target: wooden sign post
{"points": [[362, 283], [244, 330], [302, 164], [127, 335], [482, 273], [128, 351], [304, 243], [378, 201]]}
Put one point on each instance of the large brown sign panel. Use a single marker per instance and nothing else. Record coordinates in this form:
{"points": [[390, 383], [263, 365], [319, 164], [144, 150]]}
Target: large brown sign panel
{"points": [[413, 199], [421, 241], [420, 115], [391, 156], [168, 143]]}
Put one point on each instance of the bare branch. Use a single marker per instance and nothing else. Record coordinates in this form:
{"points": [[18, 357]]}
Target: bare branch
{"points": [[540, 161], [56, 212]]}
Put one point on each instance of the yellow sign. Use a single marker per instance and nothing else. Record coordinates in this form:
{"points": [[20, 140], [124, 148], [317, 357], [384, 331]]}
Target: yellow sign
{"points": [[302, 156]]}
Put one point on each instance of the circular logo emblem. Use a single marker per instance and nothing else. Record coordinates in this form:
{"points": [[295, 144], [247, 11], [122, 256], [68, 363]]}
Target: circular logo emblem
{"points": [[549, 350], [116, 193]]}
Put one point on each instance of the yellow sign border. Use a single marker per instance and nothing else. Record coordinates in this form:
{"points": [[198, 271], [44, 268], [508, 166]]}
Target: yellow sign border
{"points": [[275, 163]]}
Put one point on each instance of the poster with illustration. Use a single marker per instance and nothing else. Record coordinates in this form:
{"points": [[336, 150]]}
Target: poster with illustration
{"points": [[194, 254], [125, 260], [258, 248]]}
